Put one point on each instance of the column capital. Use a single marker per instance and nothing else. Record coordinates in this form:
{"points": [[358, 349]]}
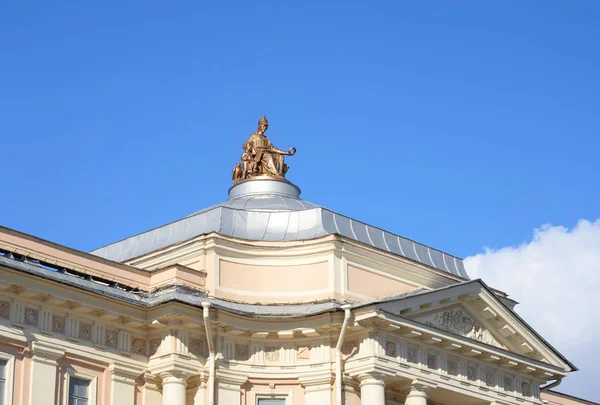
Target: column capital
{"points": [[174, 365], [173, 377], [372, 379], [419, 389]]}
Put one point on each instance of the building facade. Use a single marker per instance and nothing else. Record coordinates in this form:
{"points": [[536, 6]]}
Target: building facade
{"points": [[557, 398], [264, 299]]}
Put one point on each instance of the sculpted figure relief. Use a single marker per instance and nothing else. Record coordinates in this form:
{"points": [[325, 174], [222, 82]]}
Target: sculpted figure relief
{"points": [[261, 159]]}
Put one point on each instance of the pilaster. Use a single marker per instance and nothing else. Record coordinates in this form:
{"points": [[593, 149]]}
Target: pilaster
{"points": [[318, 388], [122, 379], [44, 362], [229, 387]]}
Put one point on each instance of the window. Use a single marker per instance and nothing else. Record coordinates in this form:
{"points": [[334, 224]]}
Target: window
{"points": [[79, 391], [3, 367], [7, 365], [271, 396]]}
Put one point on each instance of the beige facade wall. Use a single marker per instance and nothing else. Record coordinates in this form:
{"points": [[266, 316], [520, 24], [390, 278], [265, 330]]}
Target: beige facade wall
{"points": [[556, 398], [374, 285], [291, 283]]}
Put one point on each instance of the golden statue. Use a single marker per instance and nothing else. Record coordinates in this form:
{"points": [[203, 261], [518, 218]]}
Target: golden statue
{"points": [[260, 159]]}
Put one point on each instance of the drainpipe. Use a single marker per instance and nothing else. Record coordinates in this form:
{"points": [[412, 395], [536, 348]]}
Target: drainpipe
{"points": [[338, 356], [551, 385], [211, 350]]}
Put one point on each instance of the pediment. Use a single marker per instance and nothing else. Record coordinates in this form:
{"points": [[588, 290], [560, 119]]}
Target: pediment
{"points": [[458, 321], [472, 310]]}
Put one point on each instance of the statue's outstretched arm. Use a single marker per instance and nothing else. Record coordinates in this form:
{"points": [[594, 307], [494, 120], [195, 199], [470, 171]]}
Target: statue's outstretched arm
{"points": [[288, 152]]}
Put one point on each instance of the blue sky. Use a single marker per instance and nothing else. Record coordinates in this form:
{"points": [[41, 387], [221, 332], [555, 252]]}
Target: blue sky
{"points": [[460, 124]]}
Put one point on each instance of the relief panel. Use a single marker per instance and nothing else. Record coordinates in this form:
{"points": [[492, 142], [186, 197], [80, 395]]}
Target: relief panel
{"points": [[459, 322]]}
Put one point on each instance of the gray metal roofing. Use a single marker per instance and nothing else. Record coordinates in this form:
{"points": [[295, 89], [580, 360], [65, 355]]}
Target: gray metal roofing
{"points": [[172, 293], [276, 218]]}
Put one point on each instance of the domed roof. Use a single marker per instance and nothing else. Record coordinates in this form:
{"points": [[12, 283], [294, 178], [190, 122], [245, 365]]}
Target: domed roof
{"points": [[271, 210], [264, 195]]}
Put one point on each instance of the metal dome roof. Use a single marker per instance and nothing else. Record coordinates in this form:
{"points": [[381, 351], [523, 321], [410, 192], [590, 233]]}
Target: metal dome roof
{"points": [[271, 210]]}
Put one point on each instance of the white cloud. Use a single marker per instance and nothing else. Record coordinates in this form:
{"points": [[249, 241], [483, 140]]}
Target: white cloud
{"points": [[556, 279]]}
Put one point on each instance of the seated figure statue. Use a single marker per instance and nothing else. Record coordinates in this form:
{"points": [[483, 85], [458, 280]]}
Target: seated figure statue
{"points": [[261, 159]]}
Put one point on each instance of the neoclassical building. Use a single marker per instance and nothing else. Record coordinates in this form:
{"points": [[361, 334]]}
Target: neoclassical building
{"points": [[263, 299]]}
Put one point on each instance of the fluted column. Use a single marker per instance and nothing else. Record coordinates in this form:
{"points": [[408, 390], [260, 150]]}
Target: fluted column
{"points": [[417, 395], [174, 384], [372, 389]]}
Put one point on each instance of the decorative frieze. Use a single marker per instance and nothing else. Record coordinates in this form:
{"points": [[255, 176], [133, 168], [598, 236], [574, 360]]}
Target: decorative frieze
{"points": [[154, 345], [412, 355], [58, 323], [390, 349], [471, 373], [459, 322], [111, 338], [271, 354], [138, 346], [349, 348], [452, 367], [303, 353], [32, 316], [432, 361], [196, 346], [526, 389], [85, 331], [242, 352], [4, 309], [489, 378], [508, 383]]}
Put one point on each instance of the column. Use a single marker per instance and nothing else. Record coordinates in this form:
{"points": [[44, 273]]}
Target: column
{"points": [[174, 387], [43, 374], [372, 389], [417, 395], [122, 390]]}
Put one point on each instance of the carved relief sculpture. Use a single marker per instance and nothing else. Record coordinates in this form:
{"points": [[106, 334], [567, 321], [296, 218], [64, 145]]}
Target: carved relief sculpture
{"points": [[271, 354], [31, 316], [452, 367], [196, 346], [241, 352], [432, 361], [58, 324], [4, 309], [489, 379], [390, 349], [154, 345], [457, 321], [508, 383], [85, 331], [412, 355], [349, 348], [303, 353], [261, 159], [471, 373], [111, 337]]}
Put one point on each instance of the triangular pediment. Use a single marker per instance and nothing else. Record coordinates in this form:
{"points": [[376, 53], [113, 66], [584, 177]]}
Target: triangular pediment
{"points": [[472, 310], [457, 320]]}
